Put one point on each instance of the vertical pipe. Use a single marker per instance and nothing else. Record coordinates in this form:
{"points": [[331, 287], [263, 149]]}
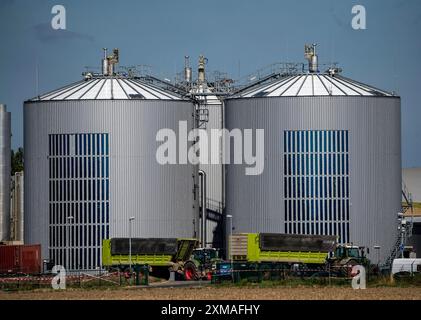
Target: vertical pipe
{"points": [[196, 178], [314, 60], [68, 245], [229, 246], [69, 221], [110, 69], [201, 69], [202, 175], [19, 199], [222, 157], [105, 63], [130, 246], [187, 70], [223, 187]]}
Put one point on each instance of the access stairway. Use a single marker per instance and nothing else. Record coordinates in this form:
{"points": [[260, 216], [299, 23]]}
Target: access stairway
{"points": [[404, 228]]}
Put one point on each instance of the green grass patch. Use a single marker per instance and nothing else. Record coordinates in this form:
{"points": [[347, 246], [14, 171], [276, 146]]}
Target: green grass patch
{"points": [[372, 282]]}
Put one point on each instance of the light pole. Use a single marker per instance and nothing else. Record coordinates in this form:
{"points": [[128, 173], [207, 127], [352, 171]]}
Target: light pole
{"points": [[69, 220], [130, 245], [404, 226], [230, 246]]}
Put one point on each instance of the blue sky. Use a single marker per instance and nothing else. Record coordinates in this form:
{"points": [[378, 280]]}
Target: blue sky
{"points": [[237, 37]]}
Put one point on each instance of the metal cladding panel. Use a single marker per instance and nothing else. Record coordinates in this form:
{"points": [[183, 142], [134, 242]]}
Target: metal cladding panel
{"points": [[159, 197], [374, 124], [5, 172]]}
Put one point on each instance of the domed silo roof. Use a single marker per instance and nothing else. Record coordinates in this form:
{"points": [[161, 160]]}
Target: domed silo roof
{"points": [[311, 84], [109, 88]]}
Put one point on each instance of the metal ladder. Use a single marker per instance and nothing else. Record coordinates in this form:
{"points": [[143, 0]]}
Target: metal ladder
{"points": [[404, 230], [202, 114]]}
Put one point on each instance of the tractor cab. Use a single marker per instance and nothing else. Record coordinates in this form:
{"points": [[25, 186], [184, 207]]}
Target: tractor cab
{"points": [[349, 255], [205, 256], [349, 252]]}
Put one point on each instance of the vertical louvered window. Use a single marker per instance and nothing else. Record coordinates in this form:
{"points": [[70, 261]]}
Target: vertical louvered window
{"points": [[316, 182], [79, 198]]}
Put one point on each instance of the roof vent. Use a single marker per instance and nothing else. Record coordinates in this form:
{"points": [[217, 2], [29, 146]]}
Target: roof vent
{"points": [[187, 69], [109, 61], [311, 56], [201, 69]]}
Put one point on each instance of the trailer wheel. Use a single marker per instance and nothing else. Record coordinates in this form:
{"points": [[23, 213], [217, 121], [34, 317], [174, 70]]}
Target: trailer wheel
{"points": [[190, 271]]}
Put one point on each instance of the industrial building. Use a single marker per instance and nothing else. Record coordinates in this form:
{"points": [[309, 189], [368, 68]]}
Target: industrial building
{"points": [[90, 167], [332, 158], [332, 161]]}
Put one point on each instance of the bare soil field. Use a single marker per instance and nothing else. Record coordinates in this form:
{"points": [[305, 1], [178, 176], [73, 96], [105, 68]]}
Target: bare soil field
{"points": [[220, 293]]}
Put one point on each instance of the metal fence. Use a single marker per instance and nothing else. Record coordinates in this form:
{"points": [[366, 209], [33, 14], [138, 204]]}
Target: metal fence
{"points": [[74, 279]]}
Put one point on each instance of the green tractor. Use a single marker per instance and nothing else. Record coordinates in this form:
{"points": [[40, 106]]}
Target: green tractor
{"points": [[201, 264], [345, 257]]}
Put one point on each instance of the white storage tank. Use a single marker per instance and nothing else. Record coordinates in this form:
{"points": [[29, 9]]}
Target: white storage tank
{"points": [[332, 159], [90, 165], [5, 172]]}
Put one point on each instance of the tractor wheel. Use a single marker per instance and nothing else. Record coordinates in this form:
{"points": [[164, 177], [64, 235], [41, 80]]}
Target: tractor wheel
{"points": [[190, 271]]}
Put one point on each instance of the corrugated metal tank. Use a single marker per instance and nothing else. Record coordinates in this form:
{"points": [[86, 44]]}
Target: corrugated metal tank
{"points": [[360, 131], [114, 121], [5, 171]]}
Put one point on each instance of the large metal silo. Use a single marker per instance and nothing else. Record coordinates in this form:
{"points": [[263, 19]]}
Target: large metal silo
{"points": [[332, 159], [90, 165], [5, 172]]}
